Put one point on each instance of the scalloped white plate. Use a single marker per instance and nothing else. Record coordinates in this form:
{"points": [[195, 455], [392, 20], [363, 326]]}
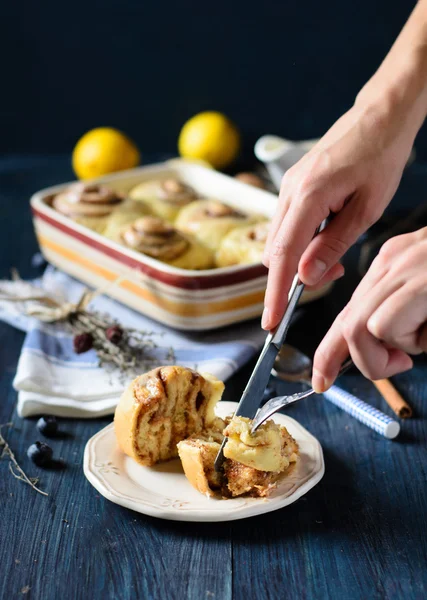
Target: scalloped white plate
{"points": [[164, 492]]}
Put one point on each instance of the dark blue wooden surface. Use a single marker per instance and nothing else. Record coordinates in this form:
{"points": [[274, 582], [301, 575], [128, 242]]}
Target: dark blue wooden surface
{"points": [[359, 534]]}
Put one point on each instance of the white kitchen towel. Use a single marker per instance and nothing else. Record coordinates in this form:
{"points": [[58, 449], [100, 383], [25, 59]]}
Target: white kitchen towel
{"points": [[52, 379]]}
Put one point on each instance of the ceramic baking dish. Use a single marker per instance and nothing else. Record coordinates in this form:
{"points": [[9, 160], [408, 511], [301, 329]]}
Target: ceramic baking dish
{"points": [[192, 300]]}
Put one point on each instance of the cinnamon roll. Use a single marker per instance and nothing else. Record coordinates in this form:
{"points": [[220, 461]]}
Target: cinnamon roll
{"points": [[88, 204], [243, 246], [157, 238], [210, 220], [253, 463], [165, 197], [125, 214], [163, 407]]}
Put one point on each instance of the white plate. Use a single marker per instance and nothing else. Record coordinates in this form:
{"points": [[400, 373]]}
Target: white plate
{"points": [[163, 491]]}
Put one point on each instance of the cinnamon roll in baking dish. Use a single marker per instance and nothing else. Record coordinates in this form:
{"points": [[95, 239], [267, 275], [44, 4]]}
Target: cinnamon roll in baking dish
{"points": [[157, 238], [127, 212], [243, 246], [163, 407], [88, 204], [165, 197], [210, 220]]}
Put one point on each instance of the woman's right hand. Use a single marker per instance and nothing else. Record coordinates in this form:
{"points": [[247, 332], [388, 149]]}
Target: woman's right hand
{"points": [[353, 171]]}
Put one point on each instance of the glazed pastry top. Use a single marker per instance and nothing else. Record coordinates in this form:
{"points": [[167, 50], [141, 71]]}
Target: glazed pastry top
{"points": [[87, 200], [156, 238], [176, 192]]}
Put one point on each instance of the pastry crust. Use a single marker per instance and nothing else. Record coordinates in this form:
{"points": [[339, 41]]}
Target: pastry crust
{"points": [[210, 220], [163, 407], [159, 239], [164, 198], [128, 212], [243, 246], [88, 204], [197, 459]]}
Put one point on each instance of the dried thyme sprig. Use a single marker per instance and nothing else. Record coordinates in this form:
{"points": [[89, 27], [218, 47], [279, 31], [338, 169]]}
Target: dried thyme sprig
{"points": [[19, 473], [130, 352]]}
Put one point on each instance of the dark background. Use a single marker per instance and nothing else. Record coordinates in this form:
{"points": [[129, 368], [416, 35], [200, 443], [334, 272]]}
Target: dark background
{"points": [[289, 67]]}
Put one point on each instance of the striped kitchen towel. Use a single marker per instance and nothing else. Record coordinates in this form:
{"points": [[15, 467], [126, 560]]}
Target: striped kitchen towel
{"points": [[52, 379]]}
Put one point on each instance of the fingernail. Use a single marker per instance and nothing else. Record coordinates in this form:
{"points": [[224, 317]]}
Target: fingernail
{"points": [[265, 320], [318, 382], [315, 271]]}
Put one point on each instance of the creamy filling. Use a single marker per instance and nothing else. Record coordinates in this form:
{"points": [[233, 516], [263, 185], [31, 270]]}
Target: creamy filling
{"points": [[261, 450]]}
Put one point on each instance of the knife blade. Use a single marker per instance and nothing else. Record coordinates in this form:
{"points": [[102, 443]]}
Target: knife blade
{"points": [[253, 393]]}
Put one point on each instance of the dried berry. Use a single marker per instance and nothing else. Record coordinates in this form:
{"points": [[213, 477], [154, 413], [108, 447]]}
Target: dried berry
{"points": [[40, 453], [83, 342], [114, 334], [47, 425]]}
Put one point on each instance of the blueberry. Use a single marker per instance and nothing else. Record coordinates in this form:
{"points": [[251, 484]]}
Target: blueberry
{"points": [[38, 260], [40, 453], [47, 425]]}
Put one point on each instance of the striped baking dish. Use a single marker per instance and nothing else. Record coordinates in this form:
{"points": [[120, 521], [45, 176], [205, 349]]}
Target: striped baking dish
{"points": [[184, 299]]}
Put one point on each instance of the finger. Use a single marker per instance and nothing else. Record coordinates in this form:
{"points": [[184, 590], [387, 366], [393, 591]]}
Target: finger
{"points": [[373, 359], [335, 348], [329, 356], [336, 272], [291, 240], [279, 215], [398, 319], [349, 333], [327, 248]]}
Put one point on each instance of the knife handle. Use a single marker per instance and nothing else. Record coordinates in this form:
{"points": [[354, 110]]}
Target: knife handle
{"points": [[297, 288]]}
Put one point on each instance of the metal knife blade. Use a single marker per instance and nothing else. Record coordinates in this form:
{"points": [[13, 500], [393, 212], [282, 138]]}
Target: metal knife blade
{"points": [[253, 393]]}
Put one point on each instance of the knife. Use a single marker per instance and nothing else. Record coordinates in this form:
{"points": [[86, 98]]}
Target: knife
{"points": [[253, 393], [257, 383]]}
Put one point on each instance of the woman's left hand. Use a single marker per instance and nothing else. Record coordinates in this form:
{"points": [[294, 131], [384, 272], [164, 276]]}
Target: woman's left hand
{"points": [[386, 318]]}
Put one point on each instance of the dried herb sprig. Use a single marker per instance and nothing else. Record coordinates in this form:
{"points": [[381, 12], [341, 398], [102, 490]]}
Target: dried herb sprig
{"points": [[18, 473], [131, 349], [126, 352]]}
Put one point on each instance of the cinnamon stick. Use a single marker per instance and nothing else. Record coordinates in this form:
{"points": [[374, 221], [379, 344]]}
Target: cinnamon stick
{"points": [[393, 398]]}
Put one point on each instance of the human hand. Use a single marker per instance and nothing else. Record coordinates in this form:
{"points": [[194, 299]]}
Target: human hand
{"points": [[386, 318], [353, 171]]}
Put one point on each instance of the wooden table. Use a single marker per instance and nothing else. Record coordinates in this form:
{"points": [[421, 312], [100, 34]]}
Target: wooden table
{"points": [[360, 534]]}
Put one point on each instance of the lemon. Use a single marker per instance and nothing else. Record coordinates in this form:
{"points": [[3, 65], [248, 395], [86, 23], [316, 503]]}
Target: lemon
{"points": [[211, 137], [103, 150]]}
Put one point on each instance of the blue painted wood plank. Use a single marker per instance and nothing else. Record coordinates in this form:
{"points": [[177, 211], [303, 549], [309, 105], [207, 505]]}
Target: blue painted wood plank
{"points": [[360, 534]]}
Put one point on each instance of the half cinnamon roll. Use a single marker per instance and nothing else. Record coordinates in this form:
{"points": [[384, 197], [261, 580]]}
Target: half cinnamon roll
{"points": [[157, 238], [165, 197], [210, 220], [253, 464], [163, 407]]}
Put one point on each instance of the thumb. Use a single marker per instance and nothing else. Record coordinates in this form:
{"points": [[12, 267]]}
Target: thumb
{"points": [[327, 248]]}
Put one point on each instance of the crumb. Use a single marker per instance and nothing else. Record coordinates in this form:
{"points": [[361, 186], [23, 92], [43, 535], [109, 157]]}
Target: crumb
{"points": [[25, 589]]}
